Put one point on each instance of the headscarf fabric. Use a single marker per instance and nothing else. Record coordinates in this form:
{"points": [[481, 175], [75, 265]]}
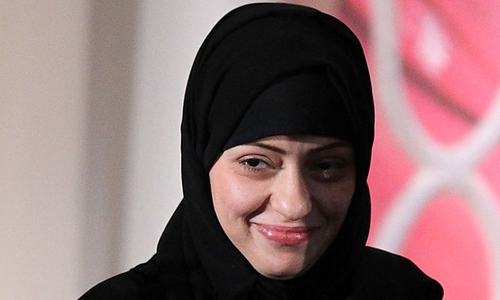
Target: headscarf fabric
{"points": [[251, 51]]}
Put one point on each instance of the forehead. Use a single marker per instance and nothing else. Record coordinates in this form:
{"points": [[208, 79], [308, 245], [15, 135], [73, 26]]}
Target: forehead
{"points": [[304, 138], [284, 144]]}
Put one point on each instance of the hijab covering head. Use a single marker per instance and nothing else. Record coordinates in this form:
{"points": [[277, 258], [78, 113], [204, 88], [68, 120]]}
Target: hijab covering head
{"points": [[266, 69]]}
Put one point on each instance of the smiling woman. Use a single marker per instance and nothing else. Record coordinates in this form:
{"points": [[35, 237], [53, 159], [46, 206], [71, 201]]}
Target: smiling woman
{"points": [[276, 143], [282, 200]]}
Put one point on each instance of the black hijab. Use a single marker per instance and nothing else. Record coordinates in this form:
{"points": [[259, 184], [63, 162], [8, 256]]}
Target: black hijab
{"points": [[270, 69], [251, 49]]}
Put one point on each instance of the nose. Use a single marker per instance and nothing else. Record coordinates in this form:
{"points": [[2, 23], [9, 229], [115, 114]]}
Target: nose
{"points": [[291, 196]]}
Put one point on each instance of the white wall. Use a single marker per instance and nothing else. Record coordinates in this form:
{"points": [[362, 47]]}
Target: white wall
{"points": [[43, 75]]}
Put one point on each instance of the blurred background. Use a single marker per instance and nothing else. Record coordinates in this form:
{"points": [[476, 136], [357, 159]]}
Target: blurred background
{"points": [[90, 104]]}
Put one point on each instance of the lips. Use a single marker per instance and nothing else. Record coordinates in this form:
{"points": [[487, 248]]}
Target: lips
{"points": [[285, 235]]}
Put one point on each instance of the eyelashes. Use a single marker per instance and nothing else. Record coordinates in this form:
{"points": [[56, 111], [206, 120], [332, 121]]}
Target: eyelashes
{"points": [[255, 164], [329, 170], [321, 170]]}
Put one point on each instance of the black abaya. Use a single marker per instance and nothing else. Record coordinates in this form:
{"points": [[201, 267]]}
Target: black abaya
{"points": [[250, 52]]}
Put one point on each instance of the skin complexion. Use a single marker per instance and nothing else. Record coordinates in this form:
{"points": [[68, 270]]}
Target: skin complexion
{"points": [[281, 200]]}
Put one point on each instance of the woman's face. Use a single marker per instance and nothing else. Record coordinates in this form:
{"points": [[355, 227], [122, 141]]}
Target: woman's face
{"points": [[281, 200]]}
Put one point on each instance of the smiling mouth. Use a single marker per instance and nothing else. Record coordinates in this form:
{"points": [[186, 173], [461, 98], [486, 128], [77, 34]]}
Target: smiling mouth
{"points": [[286, 235]]}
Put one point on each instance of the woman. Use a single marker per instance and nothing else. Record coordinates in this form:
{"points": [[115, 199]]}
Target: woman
{"points": [[276, 142]]}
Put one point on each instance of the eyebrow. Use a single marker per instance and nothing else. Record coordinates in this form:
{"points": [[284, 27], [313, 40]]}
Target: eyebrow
{"points": [[335, 144]]}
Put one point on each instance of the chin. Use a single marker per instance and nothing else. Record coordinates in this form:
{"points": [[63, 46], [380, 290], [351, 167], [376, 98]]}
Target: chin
{"points": [[282, 271], [282, 276]]}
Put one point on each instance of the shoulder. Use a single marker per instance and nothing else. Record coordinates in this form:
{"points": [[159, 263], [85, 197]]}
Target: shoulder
{"points": [[390, 276], [132, 285], [121, 286]]}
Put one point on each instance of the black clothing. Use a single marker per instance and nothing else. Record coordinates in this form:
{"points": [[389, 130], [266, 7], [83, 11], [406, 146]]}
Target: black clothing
{"points": [[381, 275], [241, 67]]}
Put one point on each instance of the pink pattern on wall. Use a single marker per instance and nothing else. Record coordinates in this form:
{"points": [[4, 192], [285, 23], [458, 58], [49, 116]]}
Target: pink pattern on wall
{"points": [[451, 67]]}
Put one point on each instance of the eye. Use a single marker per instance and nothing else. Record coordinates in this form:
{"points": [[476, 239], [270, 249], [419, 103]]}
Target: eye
{"points": [[254, 163], [326, 165], [329, 170]]}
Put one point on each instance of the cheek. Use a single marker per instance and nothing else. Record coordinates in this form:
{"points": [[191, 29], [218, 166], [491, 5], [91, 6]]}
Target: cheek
{"points": [[334, 200], [235, 197]]}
